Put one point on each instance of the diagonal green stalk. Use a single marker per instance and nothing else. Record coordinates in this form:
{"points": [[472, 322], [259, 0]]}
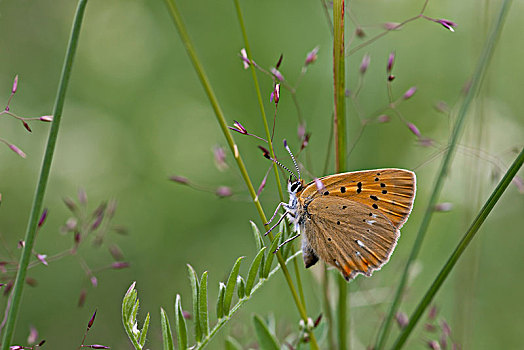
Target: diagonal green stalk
{"points": [[266, 128], [461, 247], [457, 129], [259, 97], [44, 175], [340, 146], [199, 69]]}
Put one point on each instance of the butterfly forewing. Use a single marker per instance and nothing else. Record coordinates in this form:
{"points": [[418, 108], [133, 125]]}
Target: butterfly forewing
{"points": [[351, 236], [391, 191]]}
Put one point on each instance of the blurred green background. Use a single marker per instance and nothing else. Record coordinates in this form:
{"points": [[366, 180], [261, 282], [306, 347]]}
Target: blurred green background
{"points": [[136, 114]]}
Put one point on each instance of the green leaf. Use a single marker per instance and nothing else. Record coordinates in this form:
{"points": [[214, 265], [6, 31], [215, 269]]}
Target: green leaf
{"points": [[252, 274], [241, 287], [259, 241], [266, 340], [232, 344], [195, 289], [202, 305], [230, 285], [143, 333], [180, 324], [129, 311], [271, 255], [220, 301], [167, 336], [262, 266]]}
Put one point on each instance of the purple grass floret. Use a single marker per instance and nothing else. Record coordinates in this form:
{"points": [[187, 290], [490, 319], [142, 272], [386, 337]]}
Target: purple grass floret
{"points": [[46, 118], [42, 218], [402, 319], [276, 73], [120, 265], [224, 191], [411, 91], [311, 56], [391, 60], [414, 129], [365, 63], [449, 25], [180, 179], [238, 128], [444, 207], [42, 258], [245, 60], [17, 150], [383, 118], [15, 85]]}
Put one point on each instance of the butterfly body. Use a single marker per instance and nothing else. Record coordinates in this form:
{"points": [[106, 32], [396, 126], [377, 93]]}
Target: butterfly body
{"points": [[352, 220]]}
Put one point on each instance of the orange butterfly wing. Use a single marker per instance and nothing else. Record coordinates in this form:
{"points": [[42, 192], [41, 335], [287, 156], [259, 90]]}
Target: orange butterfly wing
{"points": [[349, 235], [392, 191]]}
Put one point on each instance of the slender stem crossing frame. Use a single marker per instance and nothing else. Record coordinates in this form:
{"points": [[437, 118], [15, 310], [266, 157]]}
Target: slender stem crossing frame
{"points": [[44, 176], [439, 182]]}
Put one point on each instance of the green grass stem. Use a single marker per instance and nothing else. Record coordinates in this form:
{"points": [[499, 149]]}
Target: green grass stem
{"points": [[36, 209], [457, 130], [461, 247], [339, 89], [175, 14]]}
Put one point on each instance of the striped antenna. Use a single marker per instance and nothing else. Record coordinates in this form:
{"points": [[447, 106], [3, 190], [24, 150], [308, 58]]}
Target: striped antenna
{"points": [[266, 154], [293, 158]]}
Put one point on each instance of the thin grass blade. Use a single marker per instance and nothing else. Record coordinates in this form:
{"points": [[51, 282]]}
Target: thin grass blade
{"points": [[220, 301], [202, 306], [167, 335], [180, 324], [230, 285], [193, 278], [259, 241], [271, 255], [143, 332], [252, 273], [461, 247], [266, 340]]}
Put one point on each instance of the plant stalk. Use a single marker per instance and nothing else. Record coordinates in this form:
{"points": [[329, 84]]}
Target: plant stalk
{"points": [[461, 247], [340, 146], [44, 175], [457, 130], [175, 14]]}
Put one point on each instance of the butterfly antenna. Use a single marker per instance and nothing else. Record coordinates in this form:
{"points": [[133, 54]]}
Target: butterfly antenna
{"points": [[266, 154], [293, 158]]}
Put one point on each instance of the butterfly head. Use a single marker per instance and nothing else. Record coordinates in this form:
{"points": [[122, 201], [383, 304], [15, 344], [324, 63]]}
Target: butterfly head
{"points": [[294, 186]]}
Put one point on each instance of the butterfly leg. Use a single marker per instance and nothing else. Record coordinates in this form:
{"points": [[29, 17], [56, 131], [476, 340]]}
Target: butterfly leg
{"points": [[275, 225], [275, 213], [286, 241]]}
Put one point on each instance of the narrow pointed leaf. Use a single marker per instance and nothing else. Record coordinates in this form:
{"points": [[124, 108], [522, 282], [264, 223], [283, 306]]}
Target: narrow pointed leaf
{"points": [[129, 311], [230, 286], [262, 266], [220, 301], [241, 287], [202, 306], [180, 324], [167, 336], [259, 241], [252, 274], [195, 289], [271, 255], [143, 333], [266, 340], [233, 344]]}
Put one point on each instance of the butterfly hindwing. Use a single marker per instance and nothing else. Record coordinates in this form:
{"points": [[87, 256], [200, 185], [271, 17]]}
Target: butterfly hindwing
{"points": [[353, 237]]}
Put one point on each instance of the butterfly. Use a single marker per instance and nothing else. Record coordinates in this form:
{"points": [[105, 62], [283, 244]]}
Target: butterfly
{"points": [[349, 220]]}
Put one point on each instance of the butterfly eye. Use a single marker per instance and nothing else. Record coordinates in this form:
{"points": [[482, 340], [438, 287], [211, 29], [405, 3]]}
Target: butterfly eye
{"points": [[295, 187]]}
